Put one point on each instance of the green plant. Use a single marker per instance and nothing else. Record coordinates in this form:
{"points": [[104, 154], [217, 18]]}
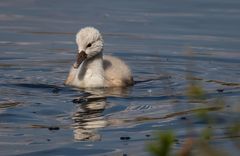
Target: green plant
{"points": [[162, 145]]}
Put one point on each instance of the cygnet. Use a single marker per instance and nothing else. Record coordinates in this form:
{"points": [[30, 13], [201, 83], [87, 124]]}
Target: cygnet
{"points": [[92, 69]]}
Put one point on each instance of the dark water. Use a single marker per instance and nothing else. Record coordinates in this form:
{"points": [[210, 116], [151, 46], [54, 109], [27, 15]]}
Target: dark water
{"points": [[41, 116]]}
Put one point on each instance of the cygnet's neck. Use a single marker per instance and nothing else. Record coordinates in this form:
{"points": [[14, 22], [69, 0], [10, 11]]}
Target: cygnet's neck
{"points": [[94, 64], [92, 72]]}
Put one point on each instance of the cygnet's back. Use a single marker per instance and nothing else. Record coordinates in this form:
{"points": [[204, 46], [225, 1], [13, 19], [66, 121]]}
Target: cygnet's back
{"points": [[117, 73]]}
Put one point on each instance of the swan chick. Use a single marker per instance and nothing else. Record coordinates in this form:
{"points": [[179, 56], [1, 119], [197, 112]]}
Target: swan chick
{"points": [[92, 69]]}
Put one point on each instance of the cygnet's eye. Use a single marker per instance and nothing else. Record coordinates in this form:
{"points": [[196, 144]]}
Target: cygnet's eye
{"points": [[89, 45]]}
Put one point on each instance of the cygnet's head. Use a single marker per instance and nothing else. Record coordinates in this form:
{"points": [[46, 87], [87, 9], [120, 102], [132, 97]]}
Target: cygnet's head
{"points": [[90, 43]]}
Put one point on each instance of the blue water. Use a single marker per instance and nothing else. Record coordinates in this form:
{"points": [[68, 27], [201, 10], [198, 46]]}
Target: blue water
{"points": [[162, 41]]}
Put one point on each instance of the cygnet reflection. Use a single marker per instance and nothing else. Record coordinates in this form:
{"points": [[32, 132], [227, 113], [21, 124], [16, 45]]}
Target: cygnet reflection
{"points": [[88, 118]]}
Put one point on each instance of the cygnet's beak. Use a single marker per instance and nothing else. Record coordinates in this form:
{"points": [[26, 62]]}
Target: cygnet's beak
{"points": [[80, 58]]}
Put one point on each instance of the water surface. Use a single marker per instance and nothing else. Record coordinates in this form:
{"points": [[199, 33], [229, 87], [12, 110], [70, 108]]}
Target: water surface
{"points": [[162, 41]]}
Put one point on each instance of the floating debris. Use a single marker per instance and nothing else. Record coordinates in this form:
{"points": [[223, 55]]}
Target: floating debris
{"points": [[147, 135], [50, 128], [183, 118], [53, 128], [220, 90], [125, 138]]}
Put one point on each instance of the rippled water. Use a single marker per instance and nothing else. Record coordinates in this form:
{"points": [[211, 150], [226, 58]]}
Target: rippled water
{"points": [[41, 116]]}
